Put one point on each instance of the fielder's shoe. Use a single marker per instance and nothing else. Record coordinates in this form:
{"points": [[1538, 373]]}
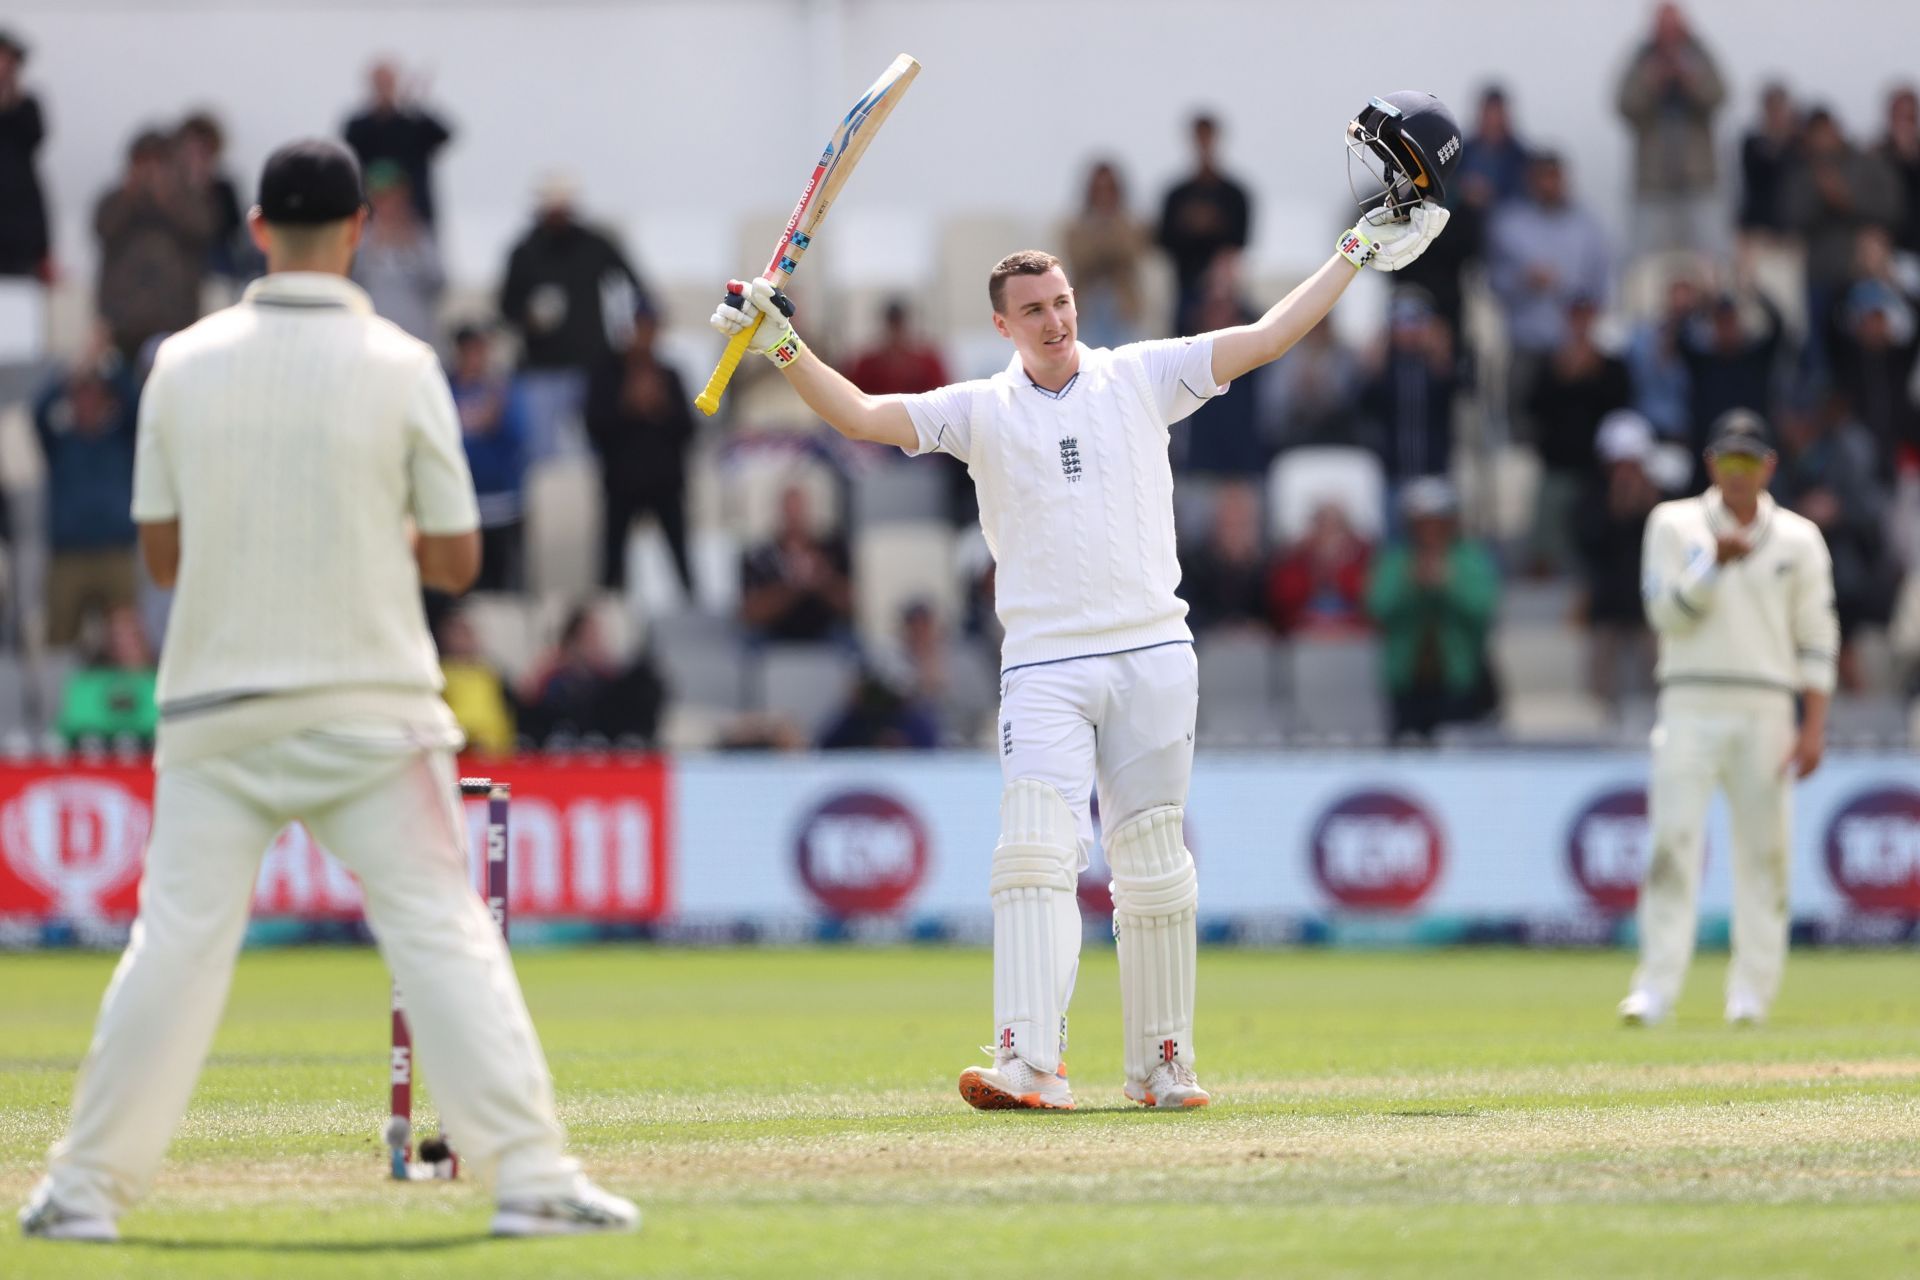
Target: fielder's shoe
{"points": [[1169, 1086], [583, 1210], [1642, 1009], [1744, 1010], [1010, 1084], [42, 1219]]}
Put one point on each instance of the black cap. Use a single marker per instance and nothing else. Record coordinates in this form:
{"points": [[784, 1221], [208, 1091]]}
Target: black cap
{"points": [[1739, 431], [8, 40], [310, 182]]}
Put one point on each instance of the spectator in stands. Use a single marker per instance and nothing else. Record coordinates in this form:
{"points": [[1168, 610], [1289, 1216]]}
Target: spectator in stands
{"points": [[1105, 246], [493, 427], [110, 699], [1493, 162], [1222, 436], [579, 690], [941, 676], [1204, 216], [1669, 96], [1899, 150], [394, 126], [1768, 155], [1575, 391], [85, 421], [903, 363], [1542, 253], [1732, 348], [1408, 403], [1311, 395], [200, 141], [1833, 192], [795, 587], [1655, 364], [570, 294], [154, 235], [1223, 580], [1611, 525], [1433, 597], [26, 249], [641, 424], [880, 717], [475, 692], [398, 263], [1873, 356], [1318, 587]]}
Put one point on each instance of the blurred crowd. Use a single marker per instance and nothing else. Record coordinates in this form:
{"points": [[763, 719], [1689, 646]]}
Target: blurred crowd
{"points": [[1772, 260]]}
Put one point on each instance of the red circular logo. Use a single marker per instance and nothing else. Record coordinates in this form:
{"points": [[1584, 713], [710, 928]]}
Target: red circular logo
{"points": [[1873, 850], [862, 854], [1377, 851], [1607, 849], [1096, 882]]}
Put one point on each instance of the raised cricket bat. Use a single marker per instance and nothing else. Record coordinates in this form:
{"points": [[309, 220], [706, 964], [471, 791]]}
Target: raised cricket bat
{"points": [[844, 149]]}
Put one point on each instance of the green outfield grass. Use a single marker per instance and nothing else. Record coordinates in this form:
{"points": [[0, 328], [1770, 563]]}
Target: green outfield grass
{"points": [[793, 1114]]}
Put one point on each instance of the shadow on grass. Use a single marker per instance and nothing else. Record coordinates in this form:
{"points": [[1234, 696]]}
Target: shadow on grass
{"points": [[409, 1244]]}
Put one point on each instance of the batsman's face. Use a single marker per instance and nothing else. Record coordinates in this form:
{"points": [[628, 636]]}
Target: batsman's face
{"points": [[1741, 477], [1040, 319]]}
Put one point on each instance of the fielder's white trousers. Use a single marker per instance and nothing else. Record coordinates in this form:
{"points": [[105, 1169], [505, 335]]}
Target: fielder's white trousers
{"points": [[388, 810], [1124, 719], [1735, 740]]}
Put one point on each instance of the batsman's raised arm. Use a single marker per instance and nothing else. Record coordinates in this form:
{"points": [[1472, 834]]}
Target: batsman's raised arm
{"points": [[756, 304]]}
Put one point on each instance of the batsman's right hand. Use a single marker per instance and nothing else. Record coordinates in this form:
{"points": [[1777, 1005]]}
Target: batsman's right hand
{"points": [[750, 300]]}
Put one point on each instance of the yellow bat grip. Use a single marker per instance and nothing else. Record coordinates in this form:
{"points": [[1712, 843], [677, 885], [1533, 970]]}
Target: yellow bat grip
{"points": [[709, 400]]}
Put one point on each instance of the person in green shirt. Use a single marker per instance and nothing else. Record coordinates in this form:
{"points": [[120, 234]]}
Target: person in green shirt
{"points": [[1433, 596], [111, 699]]}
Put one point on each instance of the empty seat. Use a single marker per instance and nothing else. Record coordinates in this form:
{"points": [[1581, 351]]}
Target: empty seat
{"points": [[806, 683], [970, 244], [702, 660], [895, 565], [1237, 704], [892, 492], [755, 471], [563, 528], [1336, 688], [1300, 480], [503, 624]]}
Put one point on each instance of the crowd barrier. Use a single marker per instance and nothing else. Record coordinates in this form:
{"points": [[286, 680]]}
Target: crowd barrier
{"points": [[1362, 848]]}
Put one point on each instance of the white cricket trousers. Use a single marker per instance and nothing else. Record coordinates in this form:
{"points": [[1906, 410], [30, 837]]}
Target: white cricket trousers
{"points": [[1125, 719], [391, 813], [1735, 740]]}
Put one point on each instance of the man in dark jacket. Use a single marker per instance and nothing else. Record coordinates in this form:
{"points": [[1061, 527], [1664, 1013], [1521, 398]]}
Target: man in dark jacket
{"points": [[1205, 215], [570, 295], [84, 419], [24, 243], [393, 128], [641, 425], [155, 235], [1610, 526]]}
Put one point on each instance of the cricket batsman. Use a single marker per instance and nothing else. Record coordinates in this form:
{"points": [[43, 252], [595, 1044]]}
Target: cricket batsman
{"points": [[1740, 593], [1067, 448], [299, 477]]}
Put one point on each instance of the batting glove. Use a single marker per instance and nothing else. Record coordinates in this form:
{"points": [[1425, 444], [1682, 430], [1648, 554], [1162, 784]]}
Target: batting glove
{"points": [[1386, 243], [757, 299]]}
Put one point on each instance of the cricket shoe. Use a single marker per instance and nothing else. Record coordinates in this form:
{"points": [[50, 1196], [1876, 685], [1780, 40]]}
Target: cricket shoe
{"points": [[1168, 1087], [1744, 1010], [1642, 1009], [43, 1219], [584, 1210], [1011, 1084]]}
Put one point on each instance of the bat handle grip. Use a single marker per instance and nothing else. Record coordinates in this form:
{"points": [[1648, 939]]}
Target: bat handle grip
{"points": [[709, 399]]}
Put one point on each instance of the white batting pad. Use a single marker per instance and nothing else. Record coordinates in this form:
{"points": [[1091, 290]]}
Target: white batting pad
{"points": [[1154, 900], [1036, 923]]}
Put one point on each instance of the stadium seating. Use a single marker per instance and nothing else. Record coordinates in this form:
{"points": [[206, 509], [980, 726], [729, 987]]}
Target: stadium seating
{"points": [[898, 564], [1300, 480], [806, 683], [1335, 689]]}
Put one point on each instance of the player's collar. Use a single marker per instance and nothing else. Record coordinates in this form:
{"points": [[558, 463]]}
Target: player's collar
{"points": [[1720, 518], [308, 290], [1017, 370]]}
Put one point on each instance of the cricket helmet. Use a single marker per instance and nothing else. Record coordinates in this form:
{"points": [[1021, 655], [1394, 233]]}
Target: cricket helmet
{"points": [[1408, 145]]}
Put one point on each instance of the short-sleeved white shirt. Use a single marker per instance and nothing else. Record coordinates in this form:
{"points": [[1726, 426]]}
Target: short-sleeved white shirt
{"points": [[293, 435], [1076, 493]]}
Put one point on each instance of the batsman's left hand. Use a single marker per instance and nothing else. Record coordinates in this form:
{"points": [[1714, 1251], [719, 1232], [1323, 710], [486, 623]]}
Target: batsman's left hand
{"points": [[1385, 243]]}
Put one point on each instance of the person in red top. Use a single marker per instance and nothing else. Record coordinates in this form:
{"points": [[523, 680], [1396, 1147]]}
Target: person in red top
{"points": [[1318, 586], [902, 365]]}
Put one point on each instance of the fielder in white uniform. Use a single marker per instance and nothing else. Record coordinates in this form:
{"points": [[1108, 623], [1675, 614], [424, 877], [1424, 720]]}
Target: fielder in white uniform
{"points": [[1067, 448], [1740, 594], [300, 474]]}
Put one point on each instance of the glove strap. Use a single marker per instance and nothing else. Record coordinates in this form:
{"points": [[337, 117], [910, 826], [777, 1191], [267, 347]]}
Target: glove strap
{"points": [[786, 349], [1357, 247]]}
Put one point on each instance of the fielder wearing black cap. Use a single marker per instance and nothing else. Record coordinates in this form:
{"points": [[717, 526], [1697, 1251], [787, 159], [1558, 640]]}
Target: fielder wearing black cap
{"points": [[1739, 432], [310, 182]]}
